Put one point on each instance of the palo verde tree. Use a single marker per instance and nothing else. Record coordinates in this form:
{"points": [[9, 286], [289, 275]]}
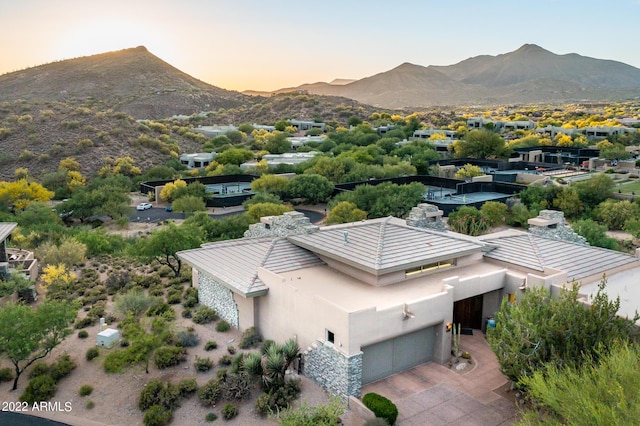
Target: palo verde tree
{"points": [[481, 144], [29, 334], [163, 244], [539, 331]]}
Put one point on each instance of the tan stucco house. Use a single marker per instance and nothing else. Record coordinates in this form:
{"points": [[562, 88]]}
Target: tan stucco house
{"points": [[368, 299]]}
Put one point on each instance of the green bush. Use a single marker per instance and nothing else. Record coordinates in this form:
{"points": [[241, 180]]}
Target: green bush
{"points": [[186, 313], [160, 308], [6, 374], [204, 315], [39, 369], [84, 322], [62, 367], [376, 421], [187, 386], [211, 417], [117, 360], [229, 411], [156, 392], [381, 407], [190, 297], [157, 415], [203, 364], [85, 390], [231, 349], [92, 353], [209, 394], [90, 404], [40, 388], [222, 326], [250, 338], [225, 360], [277, 399], [210, 345], [83, 334], [168, 356]]}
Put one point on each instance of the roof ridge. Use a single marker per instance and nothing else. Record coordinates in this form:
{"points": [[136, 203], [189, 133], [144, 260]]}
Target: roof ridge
{"points": [[380, 246], [534, 247]]}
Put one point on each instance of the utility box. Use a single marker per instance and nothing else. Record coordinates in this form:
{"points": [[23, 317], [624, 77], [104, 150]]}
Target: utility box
{"points": [[107, 338]]}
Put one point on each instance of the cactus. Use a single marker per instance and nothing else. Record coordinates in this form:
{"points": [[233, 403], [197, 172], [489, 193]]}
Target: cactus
{"points": [[456, 340]]}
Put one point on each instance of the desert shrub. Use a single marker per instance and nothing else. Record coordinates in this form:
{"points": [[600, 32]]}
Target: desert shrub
{"points": [[320, 415], [39, 369], [211, 417], [92, 353], [6, 374], [134, 301], [168, 356], [83, 334], [229, 411], [187, 386], [277, 399], [174, 298], [41, 388], [236, 386], [204, 315], [62, 367], [225, 360], [222, 374], [209, 394], [89, 405], [222, 326], [203, 364], [124, 343], [210, 345], [85, 390], [160, 308], [381, 407], [157, 415], [190, 297], [186, 313], [84, 322], [117, 280], [187, 339], [231, 349], [117, 360], [156, 392], [250, 338]]}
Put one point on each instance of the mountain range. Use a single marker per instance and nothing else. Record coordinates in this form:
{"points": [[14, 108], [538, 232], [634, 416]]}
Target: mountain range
{"points": [[137, 82], [529, 74]]}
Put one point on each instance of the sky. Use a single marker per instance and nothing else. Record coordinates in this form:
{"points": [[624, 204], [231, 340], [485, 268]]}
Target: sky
{"points": [[272, 44]]}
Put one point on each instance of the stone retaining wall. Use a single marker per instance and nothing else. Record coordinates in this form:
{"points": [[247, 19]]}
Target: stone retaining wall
{"points": [[333, 371], [214, 295]]}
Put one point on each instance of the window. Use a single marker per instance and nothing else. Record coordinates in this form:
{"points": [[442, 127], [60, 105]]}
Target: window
{"points": [[330, 336], [430, 267]]}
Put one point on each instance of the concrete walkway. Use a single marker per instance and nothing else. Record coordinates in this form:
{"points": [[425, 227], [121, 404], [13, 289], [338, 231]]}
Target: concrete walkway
{"points": [[433, 394]]}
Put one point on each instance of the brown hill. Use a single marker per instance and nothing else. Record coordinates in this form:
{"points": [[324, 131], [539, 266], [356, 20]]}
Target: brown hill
{"points": [[130, 80], [530, 74]]}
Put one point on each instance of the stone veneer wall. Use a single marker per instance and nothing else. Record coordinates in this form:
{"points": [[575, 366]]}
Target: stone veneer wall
{"points": [[333, 371], [216, 296], [289, 223], [426, 216], [562, 231]]}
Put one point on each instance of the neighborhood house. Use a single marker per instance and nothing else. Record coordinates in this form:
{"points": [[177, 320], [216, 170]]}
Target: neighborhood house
{"points": [[369, 299]]}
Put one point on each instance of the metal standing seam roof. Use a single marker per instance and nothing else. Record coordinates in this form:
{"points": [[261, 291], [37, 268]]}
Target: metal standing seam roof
{"points": [[383, 246], [5, 229], [236, 262], [577, 260]]}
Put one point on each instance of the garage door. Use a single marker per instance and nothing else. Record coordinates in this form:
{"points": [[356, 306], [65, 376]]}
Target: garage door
{"points": [[398, 354]]}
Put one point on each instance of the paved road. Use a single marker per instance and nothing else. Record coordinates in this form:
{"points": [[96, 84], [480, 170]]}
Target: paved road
{"points": [[18, 419]]}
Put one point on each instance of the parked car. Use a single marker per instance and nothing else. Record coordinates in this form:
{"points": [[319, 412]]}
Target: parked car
{"points": [[168, 208], [143, 206]]}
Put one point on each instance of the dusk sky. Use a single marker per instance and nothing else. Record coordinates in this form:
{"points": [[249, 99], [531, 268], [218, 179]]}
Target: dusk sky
{"points": [[271, 44]]}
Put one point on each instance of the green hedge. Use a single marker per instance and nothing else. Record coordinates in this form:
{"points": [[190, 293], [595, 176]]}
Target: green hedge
{"points": [[381, 407]]}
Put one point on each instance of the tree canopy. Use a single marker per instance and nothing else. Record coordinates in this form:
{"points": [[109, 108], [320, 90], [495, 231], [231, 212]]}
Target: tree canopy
{"points": [[538, 331], [481, 144], [29, 334], [163, 244]]}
